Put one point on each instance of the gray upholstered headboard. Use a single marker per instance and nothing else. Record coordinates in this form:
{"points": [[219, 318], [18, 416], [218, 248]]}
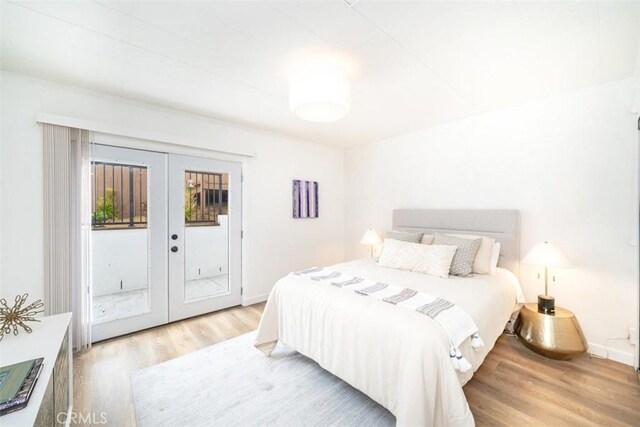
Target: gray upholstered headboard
{"points": [[501, 224]]}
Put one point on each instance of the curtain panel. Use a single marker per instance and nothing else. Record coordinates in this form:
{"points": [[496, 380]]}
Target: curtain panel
{"points": [[67, 227]]}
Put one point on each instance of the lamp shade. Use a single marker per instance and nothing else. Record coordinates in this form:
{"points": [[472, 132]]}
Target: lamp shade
{"points": [[319, 89], [546, 255], [370, 238]]}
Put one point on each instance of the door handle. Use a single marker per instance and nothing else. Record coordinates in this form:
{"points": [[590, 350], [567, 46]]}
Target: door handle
{"points": [[174, 249]]}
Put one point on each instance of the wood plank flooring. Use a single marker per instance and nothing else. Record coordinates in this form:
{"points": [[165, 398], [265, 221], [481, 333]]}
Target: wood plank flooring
{"points": [[514, 386], [101, 376]]}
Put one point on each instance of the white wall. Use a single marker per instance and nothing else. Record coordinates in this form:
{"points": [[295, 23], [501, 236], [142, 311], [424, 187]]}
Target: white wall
{"points": [[568, 164], [119, 256], [275, 243], [207, 250]]}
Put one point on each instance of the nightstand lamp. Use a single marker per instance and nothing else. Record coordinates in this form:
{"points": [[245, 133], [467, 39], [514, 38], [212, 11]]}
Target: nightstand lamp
{"points": [[370, 238], [548, 256]]}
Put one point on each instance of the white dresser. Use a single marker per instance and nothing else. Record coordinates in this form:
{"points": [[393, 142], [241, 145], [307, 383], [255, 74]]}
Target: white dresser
{"points": [[52, 397]]}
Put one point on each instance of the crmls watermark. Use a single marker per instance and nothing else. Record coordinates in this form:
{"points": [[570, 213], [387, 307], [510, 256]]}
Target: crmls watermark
{"points": [[90, 418]]}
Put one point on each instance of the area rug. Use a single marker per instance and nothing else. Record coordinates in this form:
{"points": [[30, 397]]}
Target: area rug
{"points": [[234, 384]]}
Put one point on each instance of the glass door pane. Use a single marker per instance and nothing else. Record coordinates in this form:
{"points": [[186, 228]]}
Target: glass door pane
{"points": [[206, 234], [128, 241], [120, 236]]}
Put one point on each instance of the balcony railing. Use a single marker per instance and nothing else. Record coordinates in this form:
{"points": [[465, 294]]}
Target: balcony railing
{"points": [[205, 197], [119, 196]]}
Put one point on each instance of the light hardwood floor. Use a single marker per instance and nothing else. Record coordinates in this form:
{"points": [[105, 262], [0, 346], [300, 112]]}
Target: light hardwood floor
{"points": [[514, 386]]}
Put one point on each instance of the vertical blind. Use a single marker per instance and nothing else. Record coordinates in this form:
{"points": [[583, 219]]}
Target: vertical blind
{"points": [[67, 223]]}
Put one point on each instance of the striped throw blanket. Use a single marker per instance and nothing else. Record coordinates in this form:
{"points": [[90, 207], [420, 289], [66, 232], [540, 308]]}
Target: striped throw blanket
{"points": [[458, 325]]}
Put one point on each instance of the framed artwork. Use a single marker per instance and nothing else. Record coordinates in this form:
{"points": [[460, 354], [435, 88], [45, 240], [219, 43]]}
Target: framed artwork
{"points": [[305, 199]]}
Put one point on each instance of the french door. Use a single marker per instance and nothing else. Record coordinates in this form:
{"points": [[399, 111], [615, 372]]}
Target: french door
{"points": [[205, 235], [166, 238]]}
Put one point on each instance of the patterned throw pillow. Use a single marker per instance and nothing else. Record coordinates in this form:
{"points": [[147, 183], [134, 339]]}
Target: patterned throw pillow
{"points": [[462, 264], [427, 259], [404, 236]]}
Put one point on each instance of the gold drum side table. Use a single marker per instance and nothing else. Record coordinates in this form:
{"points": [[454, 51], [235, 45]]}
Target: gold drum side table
{"points": [[556, 336]]}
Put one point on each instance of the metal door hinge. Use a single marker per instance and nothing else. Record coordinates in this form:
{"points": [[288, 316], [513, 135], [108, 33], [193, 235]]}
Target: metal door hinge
{"points": [[242, 234], [241, 291]]}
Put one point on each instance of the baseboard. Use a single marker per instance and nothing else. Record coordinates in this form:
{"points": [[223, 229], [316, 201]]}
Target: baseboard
{"points": [[254, 300], [612, 354]]}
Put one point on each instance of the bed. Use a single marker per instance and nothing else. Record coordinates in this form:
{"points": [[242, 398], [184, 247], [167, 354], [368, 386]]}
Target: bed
{"points": [[399, 357]]}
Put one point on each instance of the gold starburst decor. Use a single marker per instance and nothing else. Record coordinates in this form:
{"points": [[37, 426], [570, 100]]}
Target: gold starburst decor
{"points": [[12, 317]]}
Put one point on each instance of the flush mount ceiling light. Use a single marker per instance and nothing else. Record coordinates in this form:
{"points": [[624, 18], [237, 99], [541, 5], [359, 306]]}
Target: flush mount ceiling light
{"points": [[319, 89]]}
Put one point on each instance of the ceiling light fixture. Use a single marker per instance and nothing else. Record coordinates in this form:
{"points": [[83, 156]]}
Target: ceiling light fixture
{"points": [[319, 89]]}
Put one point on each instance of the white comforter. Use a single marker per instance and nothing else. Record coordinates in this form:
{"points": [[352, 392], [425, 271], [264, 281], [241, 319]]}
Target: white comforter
{"points": [[398, 357]]}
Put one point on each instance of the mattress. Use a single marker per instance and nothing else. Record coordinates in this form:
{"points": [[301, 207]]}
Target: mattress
{"points": [[398, 357]]}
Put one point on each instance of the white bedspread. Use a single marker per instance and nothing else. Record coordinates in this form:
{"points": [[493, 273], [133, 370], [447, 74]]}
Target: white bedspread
{"points": [[398, 357]]}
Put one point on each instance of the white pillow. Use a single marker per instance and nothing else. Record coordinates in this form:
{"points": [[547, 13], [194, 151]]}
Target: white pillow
{"points": [[427, 239], [427, 259], [482, 262], [495, 257]]}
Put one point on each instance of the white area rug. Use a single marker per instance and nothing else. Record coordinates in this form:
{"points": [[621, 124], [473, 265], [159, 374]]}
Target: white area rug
{"points": [[233, 383]]}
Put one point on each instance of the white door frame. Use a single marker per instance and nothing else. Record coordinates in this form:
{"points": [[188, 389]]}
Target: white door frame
{"points": [[178, 307], [157, 222]]}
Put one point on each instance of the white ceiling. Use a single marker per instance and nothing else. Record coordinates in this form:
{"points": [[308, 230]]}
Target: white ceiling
{"points": [[418, 64]]}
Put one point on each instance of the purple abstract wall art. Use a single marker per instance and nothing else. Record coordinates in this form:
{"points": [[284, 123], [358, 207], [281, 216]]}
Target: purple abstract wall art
{"points": [[305, 199]]}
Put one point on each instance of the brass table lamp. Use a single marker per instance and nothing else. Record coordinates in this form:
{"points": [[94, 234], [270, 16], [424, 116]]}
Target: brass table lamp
{"points": [[548, 256]]}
